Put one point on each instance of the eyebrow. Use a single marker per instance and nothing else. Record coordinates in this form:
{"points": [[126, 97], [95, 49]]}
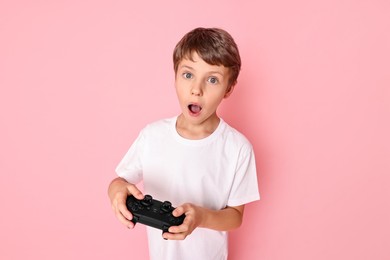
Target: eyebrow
{"points": [[191, 68], [186, 67]]}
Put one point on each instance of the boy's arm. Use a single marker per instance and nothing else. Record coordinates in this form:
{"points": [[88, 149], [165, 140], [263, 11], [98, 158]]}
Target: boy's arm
{"points": [[118, 191], [225, 219]]}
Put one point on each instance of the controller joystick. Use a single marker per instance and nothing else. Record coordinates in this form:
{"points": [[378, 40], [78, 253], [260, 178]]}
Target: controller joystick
{"points": [[147, 201], [167, 206], [153, 213]]}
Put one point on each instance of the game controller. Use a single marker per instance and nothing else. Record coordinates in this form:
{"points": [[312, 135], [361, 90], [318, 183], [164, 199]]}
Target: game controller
{"points": [[153, 213]]}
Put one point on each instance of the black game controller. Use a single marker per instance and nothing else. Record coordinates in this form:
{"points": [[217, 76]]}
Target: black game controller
{"points": [[153, 213]]}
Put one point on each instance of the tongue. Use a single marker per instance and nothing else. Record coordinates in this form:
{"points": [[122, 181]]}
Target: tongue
{"points": [[195, 108]]}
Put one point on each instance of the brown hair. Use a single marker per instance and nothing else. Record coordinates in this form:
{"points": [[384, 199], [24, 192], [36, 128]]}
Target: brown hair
{"points": [[215, 46]]}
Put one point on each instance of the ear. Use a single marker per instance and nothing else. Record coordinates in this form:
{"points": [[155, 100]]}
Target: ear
{"points": [[229, 91]]}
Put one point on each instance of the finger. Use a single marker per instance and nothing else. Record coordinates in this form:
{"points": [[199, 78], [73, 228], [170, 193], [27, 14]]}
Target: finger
{"points": [[179, 229], [133, 190], [184, 227], [178, 211], [124, 211], [124, 220], [171, 236], [124, 215]]}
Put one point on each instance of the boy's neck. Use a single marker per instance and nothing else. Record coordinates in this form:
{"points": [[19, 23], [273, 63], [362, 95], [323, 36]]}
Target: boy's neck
{"points": [[194, 131]]}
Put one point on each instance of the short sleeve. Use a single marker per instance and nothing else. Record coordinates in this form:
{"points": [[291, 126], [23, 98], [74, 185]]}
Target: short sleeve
{"points": [[130, 167], [245, 187]]}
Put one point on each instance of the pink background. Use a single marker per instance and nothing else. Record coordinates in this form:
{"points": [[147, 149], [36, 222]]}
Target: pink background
{"points": [[79, 79]]}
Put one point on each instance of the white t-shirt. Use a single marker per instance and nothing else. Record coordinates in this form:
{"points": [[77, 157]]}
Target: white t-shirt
{"points": [[213, 172]]}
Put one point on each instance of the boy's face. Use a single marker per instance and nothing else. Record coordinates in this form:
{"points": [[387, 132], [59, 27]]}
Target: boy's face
{"points": [[200, 88]]}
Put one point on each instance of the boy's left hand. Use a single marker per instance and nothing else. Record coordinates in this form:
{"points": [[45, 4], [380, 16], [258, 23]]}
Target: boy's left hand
{"points": [[194, 216], [226, 219]]}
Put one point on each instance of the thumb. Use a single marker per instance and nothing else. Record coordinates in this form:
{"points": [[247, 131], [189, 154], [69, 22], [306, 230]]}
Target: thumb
{"points": [[133, 190], [178, 211]]}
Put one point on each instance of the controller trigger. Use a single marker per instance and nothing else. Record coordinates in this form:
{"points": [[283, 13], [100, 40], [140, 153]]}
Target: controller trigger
{"points": [[165, 229]]}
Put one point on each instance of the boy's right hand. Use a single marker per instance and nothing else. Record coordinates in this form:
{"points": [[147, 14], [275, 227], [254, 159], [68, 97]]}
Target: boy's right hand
{"points": [[118, 191]]}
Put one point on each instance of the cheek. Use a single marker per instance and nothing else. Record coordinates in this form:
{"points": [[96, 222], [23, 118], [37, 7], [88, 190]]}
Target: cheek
{"points": [[216, 100], [180, 94], [178, 86]]}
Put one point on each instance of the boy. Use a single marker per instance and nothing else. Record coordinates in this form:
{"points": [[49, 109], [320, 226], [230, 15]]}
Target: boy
{"points": [[195, 160]]}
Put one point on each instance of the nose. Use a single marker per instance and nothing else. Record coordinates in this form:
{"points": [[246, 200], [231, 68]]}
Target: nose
{"points": [[196, 89]]}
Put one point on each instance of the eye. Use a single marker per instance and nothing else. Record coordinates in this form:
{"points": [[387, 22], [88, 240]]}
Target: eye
{"points": [[213, 80], [187, 75]]}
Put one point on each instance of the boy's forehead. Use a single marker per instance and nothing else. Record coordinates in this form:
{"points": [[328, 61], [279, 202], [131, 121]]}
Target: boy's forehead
{"points": [[193, 59]]}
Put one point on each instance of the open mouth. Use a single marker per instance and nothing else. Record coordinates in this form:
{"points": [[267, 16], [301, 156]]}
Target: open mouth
{"points": [[194, 109]]}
